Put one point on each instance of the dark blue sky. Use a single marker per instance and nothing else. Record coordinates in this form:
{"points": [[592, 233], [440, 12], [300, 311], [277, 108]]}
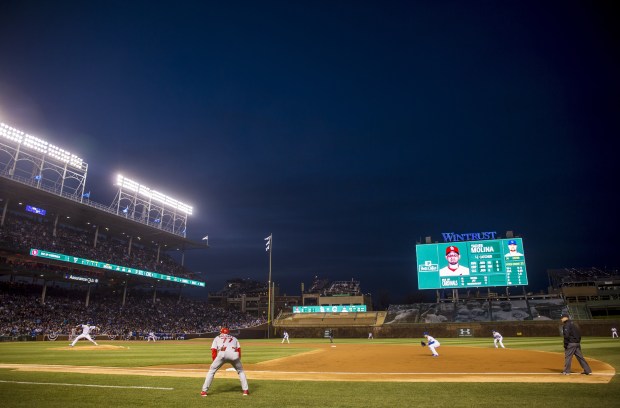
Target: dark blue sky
{"points": [[350, 130]]}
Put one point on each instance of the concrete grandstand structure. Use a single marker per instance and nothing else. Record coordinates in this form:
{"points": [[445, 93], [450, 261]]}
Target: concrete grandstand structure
{"points": [[66, 259]]}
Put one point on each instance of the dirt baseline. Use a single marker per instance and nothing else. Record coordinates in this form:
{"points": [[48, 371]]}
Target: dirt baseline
{"points": [[379, 363]]}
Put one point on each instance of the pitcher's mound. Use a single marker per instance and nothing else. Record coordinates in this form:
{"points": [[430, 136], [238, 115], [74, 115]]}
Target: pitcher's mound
{"points": [[91, 347]]}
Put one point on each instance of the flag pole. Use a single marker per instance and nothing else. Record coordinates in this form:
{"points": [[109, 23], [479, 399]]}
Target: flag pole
{"points": [[269, 290]]}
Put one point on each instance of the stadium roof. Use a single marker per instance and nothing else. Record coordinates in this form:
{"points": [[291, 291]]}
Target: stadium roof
{"points": [[88, 215]]}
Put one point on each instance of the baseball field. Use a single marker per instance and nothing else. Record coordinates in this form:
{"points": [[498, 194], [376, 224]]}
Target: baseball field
{"points": [[309, 373]]}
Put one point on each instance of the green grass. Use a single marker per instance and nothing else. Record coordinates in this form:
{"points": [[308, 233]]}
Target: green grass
{"points": [[23, 388]]}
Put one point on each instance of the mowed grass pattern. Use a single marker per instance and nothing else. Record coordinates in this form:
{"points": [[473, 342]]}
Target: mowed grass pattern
{"points": [[34, 389]]}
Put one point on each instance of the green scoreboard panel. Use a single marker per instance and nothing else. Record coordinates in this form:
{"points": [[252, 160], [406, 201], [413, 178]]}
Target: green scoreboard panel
{"points": [[111, 267], [329, 309], [455, 265]]}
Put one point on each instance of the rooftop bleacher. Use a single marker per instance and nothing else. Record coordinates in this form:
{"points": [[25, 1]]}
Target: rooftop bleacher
{"points": [[476, 311], [580, 276]]}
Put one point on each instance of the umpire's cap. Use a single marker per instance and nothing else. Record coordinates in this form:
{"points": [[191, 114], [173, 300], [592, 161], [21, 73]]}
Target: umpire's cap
{"points": [[224, 330]]}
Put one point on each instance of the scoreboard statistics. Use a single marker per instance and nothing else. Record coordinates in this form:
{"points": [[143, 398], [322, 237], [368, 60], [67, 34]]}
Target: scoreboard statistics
{"points": [[467, 264]]}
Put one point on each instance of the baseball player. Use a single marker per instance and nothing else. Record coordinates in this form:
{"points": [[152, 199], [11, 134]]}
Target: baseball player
{"points": [[453, 257], [225, 349], [285, 337], [512, 249], [432, 344], [614, 332], [497, 338], [151, 336], [86, 330]]}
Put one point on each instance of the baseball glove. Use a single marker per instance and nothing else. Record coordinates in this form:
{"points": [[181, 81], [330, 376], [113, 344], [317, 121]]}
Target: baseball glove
{"points": [[422, 344]]}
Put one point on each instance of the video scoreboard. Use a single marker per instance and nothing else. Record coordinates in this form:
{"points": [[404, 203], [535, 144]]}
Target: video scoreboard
{"points": [[467, 264]]}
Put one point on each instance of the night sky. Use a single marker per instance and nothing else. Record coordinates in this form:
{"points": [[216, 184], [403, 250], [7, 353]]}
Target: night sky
{"points": [[349, 129]]}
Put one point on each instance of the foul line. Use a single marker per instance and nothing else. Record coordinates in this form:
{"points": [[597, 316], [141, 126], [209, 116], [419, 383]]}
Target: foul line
{"points": [[87, 385], [417, 373]]}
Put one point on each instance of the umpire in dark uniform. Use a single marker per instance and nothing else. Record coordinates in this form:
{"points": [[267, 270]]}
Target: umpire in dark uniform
{"points": [[572, 346]]}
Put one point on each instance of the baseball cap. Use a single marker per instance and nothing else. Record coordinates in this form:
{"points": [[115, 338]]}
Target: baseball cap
{"points": [[565, 315], [224, 330], [452, 249], [512, 242], [425, 333]]}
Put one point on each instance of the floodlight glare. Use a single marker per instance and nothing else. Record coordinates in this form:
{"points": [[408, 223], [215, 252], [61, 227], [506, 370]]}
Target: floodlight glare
{"points": [[154, 195], [39, 145]]}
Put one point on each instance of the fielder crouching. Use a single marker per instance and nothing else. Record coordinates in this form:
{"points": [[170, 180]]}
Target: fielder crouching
{"points": [[431, 343], [225, 349]]}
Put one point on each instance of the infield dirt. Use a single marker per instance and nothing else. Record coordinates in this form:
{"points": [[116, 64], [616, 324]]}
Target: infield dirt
{"points": [[374, 362]]}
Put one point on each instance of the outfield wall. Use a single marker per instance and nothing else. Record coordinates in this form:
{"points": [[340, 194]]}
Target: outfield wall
{"points": [[310, 328]]}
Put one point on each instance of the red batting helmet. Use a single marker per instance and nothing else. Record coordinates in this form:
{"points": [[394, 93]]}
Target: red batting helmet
{"points": [[224, 330]]}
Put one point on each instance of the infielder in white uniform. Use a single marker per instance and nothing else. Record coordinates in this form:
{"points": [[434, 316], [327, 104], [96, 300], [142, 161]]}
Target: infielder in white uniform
{"points": [[497, 338], [86, 329], [432, 344], [614, 332], [225, 349], [453, 269], [151, 336], [285, 337]]}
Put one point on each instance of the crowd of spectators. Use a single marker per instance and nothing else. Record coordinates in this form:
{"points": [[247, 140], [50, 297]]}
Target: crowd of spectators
{"points": [[22, 232], [26, 309], [351, 287], [23, 314]]}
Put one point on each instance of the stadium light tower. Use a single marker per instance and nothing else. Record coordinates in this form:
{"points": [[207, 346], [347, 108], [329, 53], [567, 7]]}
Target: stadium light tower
{"points": [[38, 163], [142, 204]]}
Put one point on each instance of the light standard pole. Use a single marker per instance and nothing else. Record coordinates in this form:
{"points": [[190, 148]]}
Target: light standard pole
{"points": [[269, 240]]}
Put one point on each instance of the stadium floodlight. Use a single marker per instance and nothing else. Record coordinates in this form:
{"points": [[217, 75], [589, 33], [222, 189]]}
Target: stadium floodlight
{"points": [[153, 195], [39, 145], [10, 133]]}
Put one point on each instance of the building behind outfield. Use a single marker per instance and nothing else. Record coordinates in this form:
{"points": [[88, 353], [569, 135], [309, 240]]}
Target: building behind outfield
{"points": [[590, 295]]}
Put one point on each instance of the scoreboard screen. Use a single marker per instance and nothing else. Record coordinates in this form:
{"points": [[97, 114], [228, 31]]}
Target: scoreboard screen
{"points": [[456, 265]]}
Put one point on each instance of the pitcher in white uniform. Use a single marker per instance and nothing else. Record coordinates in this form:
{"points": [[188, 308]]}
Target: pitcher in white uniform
{"points": [[86, 329], [225, 349]]}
